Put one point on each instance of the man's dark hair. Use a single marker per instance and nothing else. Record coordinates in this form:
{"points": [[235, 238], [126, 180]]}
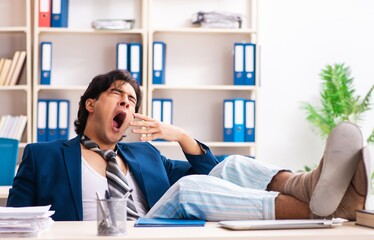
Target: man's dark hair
{"points": [[98, 85]]}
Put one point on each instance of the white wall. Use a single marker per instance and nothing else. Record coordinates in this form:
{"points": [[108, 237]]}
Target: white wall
{"points": [[298, 38]]}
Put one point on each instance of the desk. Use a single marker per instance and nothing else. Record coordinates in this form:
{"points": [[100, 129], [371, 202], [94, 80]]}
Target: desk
{"points": [[4, 191], [87, 230]]}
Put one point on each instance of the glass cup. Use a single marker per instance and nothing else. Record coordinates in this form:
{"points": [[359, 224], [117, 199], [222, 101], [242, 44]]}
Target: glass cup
{"points": [[111, 217]]}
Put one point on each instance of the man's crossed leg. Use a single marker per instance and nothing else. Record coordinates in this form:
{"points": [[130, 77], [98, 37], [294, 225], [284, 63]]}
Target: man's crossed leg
{"points": [[241, 188]]}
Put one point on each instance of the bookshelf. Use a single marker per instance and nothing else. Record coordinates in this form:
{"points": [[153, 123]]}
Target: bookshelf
{"points": [[199, 62], [80, 52], [16, 35], [199, 69]]}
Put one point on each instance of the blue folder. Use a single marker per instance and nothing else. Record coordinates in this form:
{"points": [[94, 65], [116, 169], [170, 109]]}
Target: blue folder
{"points": [[9, 156], [249, 64], [60, 12], [166, 222], [63, 119], [158, 66], [45, 62], [239, 120], [122, 56], [239, 64], [42, 120], [228, 120], [135, 61], [250, 120]]}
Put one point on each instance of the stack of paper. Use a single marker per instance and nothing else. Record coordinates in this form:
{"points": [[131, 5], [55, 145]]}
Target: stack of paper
{"points": [[217, 19], [24, 221]]}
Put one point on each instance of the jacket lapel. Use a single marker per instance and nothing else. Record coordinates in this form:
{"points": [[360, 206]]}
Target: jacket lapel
{"points": [[145, 175], [72, 157]]}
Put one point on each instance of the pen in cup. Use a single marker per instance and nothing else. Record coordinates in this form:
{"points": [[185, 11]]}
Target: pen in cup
{"points": [[102, 209], [111, 210]]}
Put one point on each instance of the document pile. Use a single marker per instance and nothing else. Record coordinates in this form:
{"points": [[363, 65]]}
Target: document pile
{"points": [[24, 221], [113, 24], [216, 19]]}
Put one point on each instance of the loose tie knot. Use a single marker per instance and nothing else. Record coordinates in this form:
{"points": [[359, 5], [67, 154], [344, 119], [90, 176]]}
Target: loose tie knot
{"points": [[117, 183]]}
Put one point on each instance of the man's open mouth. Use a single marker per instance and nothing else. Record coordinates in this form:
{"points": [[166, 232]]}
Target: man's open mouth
{"points": [[119, 119]]}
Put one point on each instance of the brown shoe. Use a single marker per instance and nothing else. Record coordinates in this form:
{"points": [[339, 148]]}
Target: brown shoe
{"points": [[333, 174], [355, 197], [342, 154]]}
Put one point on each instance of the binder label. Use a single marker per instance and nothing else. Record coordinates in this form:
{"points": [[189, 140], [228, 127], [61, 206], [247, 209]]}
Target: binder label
{"points": [[44, 6], [135, 58], [157, 62], [122, 56], [167, 111], [229, 109], [56, 6], [46, 57]]}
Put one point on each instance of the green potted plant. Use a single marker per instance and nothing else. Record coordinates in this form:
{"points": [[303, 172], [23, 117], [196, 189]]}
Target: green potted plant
{"points": [[338, 100], [338, 103]]}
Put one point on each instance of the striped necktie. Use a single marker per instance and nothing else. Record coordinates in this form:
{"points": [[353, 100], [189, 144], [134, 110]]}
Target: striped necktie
{"points": [[117, 182]]}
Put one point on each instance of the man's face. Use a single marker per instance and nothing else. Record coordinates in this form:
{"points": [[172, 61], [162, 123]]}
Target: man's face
{"points": [[112, 112]]}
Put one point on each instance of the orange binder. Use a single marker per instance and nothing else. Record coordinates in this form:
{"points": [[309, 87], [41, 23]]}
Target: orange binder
{"points": [[44, 13]]}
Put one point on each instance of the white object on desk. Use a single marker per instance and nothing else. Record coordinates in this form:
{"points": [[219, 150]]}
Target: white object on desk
{"points": [[282, 224], [4, 191]]}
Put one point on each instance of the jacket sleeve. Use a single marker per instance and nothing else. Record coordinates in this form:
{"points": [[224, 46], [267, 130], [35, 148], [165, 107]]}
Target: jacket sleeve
{"points": [[195, 164], [23, 190]]}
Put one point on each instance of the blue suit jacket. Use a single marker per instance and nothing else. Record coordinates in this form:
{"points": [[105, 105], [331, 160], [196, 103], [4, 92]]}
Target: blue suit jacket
{"points": [[50, 173]]}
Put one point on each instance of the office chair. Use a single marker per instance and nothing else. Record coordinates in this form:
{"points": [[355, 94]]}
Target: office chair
{"points": [[8, 160]]}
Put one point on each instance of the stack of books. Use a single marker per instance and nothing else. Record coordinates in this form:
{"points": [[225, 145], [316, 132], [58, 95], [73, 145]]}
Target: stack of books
{"points": [[12, 126], [10, 69], [365, 218], [24, 221]]}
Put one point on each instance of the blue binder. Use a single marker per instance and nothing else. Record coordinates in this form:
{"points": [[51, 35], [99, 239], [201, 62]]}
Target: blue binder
{"points": [[122, 56], [52, 131], [63, 119], [250, 120], [45, 62], [162, 110], [239, 120], [239, 64], [249, 63], [228, 120], [167, 111], [9, 156], [60, 12], [157, 109], [42, 120], [135, 61], [158, 67]]}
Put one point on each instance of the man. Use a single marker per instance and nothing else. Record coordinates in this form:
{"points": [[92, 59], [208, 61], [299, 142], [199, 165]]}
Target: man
{"points": [[68, 174]]}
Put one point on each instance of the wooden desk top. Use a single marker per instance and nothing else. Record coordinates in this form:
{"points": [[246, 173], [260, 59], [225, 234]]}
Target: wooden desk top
{"points": [[4, 191], [87, 230]]}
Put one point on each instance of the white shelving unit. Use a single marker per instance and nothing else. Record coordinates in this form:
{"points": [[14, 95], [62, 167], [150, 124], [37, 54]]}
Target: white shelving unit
{"points": [[199, 69], [15, 35], [79, 52], [199, 62]]}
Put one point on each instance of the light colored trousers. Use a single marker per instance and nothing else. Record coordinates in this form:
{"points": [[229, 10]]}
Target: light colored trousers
{"points": [[234, 190]]}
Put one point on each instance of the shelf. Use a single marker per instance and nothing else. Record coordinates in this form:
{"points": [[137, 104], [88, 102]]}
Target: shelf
{"points": [[204, 30], [209, 144], [203, 87], [59, 88], [13, 29], [87, 31], [14, 88]]}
